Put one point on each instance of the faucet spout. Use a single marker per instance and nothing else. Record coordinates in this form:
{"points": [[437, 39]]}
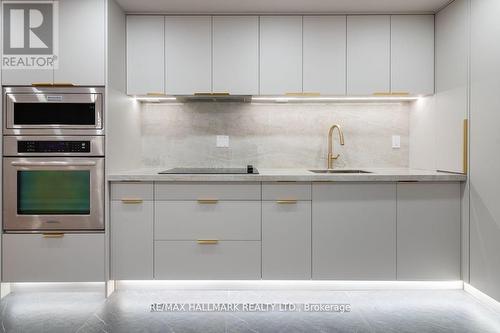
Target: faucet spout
{"points": [[331, 157]]}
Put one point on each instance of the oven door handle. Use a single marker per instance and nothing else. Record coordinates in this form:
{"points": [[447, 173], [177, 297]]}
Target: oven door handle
{"points": [[54, 163]]}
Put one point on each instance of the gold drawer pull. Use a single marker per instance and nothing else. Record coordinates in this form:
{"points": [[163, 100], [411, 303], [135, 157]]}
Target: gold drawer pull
{"points": [[303, 94], [286, 202], [132, 200], [207, 241], [394, 93], [53, 235], [42, 84], [212, 94], [208, 201]]}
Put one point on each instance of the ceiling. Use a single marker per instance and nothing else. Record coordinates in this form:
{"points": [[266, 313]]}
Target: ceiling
{"points": [[281, 6]]}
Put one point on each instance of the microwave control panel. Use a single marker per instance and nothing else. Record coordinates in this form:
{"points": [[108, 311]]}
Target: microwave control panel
{"points": [[53, 146]]}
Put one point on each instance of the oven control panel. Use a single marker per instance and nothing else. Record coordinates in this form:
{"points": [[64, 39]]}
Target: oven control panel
{"points": [[31, 146]]}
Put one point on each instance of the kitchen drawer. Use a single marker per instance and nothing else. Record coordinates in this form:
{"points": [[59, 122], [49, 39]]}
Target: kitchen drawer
{"points": [[225, 260], [222, 220], [72, 258], [132, 190], [208, 190], [286, 191]]}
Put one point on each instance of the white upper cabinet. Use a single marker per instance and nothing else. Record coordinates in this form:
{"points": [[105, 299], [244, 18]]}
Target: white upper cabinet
{"points": [[80, 46], [145, 55], [280, 55], [412, 54], [324, 53], [236, 54], [81, 42], [188, 51], [368, 54], [451, 99]]}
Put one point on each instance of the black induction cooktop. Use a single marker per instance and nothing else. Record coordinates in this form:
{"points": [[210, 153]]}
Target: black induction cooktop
{"points": [[212, 171]]}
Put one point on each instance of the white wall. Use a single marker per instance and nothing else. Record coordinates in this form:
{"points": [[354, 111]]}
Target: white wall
{"points": [[485, 147]]}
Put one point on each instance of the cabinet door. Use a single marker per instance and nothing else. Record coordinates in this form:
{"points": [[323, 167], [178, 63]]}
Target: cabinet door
{"points": [[286, 240], [132, 231], [354, 231], [451, 99], [81, 42], [280, 55], [145, 55], [25, 76], [236, 54], [324, 54], [368, 54], [428, 238], [188, 50], [412, 54]]}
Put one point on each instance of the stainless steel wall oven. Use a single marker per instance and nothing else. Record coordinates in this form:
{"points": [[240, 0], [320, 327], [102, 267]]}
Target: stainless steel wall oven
{"points": [[53, 160]]}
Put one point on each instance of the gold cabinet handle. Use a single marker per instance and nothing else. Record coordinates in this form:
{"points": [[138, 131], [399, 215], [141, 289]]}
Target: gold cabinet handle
{"points": [[207, 241], [286, 202], [394, 93], [212, 94], [53, 235], [132, 200], [303, 94], [465, 147], [50, 84], [208, 201]]}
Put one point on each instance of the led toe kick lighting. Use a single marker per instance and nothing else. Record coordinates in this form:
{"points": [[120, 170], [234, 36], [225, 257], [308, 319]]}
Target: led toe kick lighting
{"points": [[290, 285]]}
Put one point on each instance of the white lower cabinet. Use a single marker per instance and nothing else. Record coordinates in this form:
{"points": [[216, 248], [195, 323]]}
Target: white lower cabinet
{"points": [[189, 260], [354, 231], [286, 231], [286, 240], [428, 231], [36, 258], [131, 231]]}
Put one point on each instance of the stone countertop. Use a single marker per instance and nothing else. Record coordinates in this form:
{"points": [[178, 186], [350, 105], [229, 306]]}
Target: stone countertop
{"points": [[300, 175]]}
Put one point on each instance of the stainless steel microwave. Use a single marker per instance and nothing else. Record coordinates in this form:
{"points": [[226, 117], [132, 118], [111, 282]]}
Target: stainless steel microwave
{"points": [[53, 110]]}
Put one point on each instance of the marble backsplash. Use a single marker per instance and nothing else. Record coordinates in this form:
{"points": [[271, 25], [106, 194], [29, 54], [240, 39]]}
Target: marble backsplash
{"points": [[273, 135]]}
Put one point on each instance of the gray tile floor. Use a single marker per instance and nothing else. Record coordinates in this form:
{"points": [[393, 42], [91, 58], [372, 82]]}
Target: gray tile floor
{"points": [[129, 311]]}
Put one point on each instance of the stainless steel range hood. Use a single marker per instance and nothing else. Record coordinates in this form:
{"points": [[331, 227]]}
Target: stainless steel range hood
{"points": [[214, 97]]}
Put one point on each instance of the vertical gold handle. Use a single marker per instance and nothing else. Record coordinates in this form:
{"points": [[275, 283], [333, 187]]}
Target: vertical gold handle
{"points": [[131, 200], [207, 241], [466, 146], [53, 235]]}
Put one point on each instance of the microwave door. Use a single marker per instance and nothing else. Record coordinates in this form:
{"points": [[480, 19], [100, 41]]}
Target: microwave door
{"points": [[53, 113]]}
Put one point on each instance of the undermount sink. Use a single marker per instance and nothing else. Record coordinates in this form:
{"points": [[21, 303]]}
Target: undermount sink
{"points": [[339, 171]]}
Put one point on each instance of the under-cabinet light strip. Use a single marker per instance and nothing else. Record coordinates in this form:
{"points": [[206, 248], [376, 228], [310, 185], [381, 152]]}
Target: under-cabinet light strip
{"points": [[286, 99]]}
